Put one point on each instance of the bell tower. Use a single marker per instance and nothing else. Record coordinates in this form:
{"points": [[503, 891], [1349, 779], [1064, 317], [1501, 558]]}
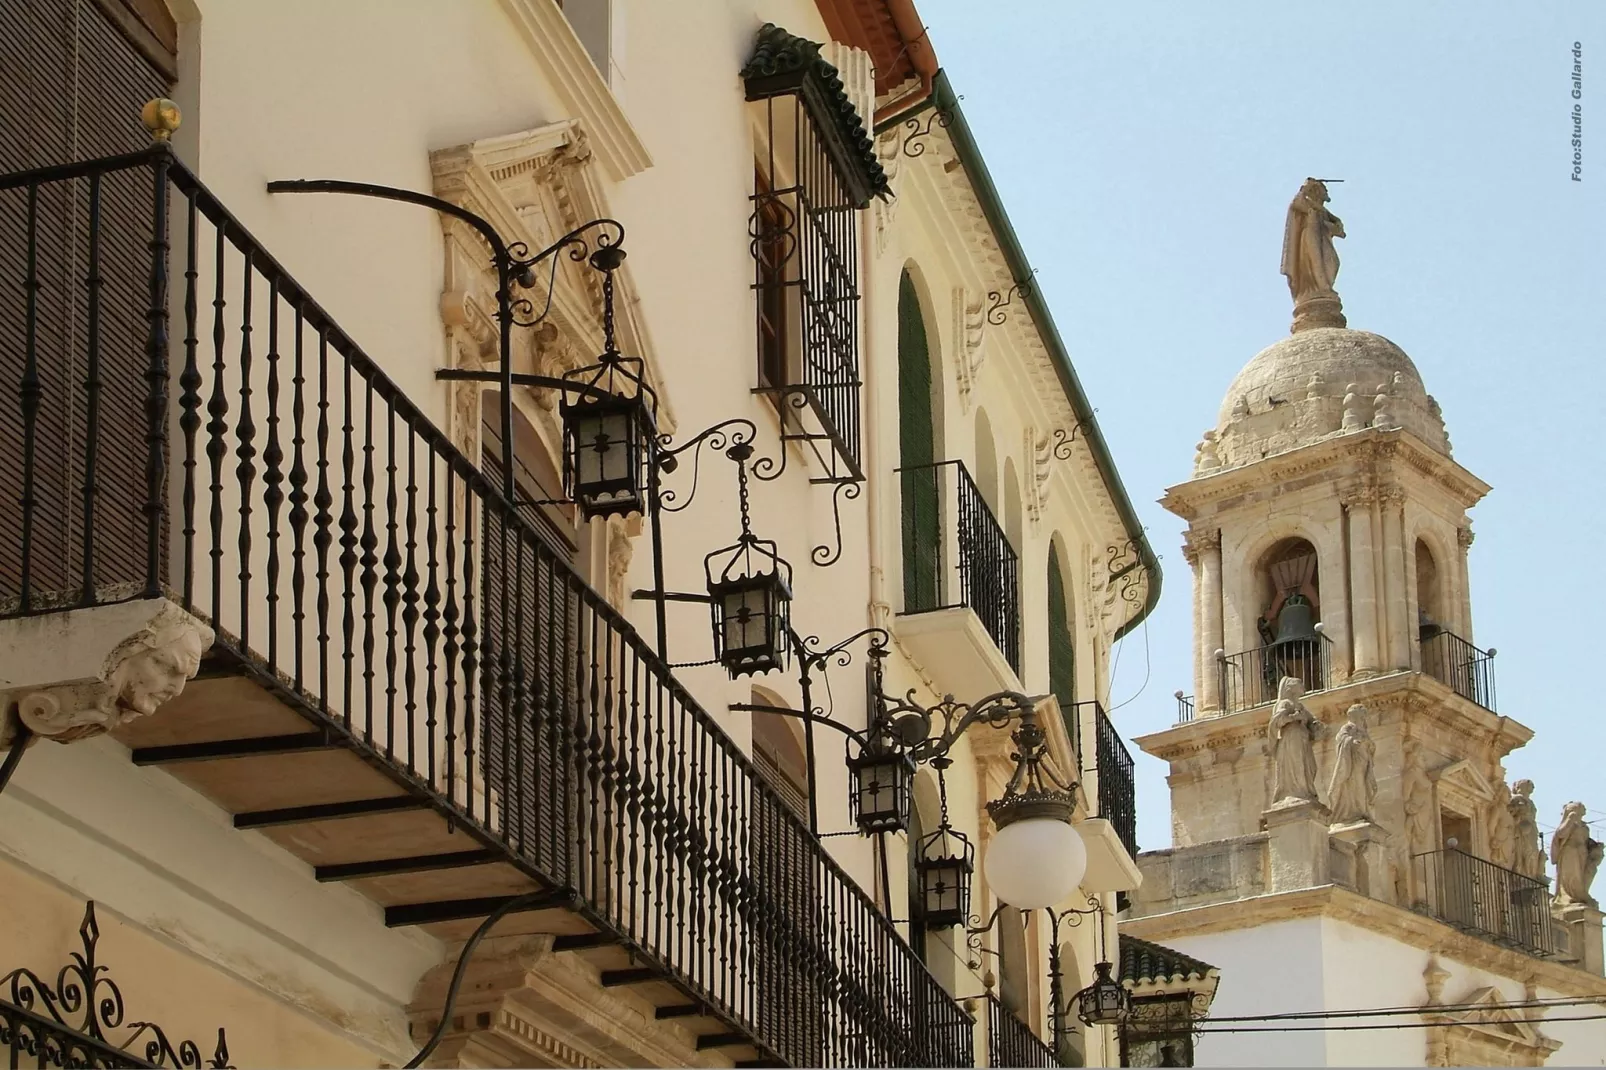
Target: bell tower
{"points": [[1341, 758]]}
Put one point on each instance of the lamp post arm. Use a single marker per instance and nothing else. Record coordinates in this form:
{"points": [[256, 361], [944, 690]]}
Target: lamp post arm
{"points": [[813, 718]]}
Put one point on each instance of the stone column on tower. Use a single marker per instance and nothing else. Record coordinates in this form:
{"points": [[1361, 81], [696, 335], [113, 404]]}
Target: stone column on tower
{"points": [[1208, 546], [1395, 613], [1464, 594], [1362, 580]]}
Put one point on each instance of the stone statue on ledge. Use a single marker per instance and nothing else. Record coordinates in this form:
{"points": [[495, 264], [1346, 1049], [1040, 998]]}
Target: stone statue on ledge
{"points": [[1528, 857], [1576, 856], [1353, 789], [1293, 731], [1309, 260]]}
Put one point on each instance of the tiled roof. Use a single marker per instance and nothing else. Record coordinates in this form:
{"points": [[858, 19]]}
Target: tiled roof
{"points": [[1143, 963], [781, 62]]}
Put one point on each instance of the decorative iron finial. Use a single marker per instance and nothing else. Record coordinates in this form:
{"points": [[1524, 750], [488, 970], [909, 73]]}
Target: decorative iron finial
{"points": [[161, 117]]}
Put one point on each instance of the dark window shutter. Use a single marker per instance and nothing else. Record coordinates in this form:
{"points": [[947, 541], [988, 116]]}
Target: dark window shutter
{"points": [[73, 88], [1061, 646], [917, 451]]}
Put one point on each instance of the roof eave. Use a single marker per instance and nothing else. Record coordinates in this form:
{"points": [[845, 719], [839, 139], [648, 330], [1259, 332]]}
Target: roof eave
{"points": [[946, 100]]}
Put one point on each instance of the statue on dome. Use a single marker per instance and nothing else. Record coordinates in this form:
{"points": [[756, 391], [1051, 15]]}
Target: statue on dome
{"points": [[1309, 260], [1293, 730]]}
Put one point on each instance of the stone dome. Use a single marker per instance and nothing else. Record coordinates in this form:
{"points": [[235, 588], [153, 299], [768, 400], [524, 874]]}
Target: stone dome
{"points": [[1293, 393]]}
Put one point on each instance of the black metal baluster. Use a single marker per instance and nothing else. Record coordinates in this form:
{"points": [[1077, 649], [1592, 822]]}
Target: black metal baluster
{"points": [[369, 560], [393, 579], [499, 640], [432, 615], [635, 752], [590, 703], [189, 403], [543, 738], [410, 599], [323, 533], [217, 408], [298, 501], [273, 472], [581, 800], [450, 648], [92, 385], [605, 710], [348, 548], [155, 508], [30, 391], [245, 434], [469, 631]]}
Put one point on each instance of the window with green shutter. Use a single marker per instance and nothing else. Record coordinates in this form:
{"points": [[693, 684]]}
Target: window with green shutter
{"points": [[922, 543], [1061, 647]]}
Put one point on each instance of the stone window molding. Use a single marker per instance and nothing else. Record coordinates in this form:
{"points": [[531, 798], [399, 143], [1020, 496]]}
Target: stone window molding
{"points": [[580, 87], [1463, 1033], [96, 669]]}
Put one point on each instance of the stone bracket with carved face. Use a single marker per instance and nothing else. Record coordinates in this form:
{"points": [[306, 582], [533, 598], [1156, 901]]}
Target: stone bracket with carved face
{"points": [[87, 671]]}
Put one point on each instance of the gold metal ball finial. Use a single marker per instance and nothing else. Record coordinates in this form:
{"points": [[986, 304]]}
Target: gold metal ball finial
{"points": [[161, 117]]}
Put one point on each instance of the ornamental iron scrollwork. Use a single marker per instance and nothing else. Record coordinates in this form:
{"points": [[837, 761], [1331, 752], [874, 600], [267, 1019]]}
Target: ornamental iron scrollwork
{"points": [[1126, 567], [913, 143], [996, 311], [1064, 440], [73, 1022]]}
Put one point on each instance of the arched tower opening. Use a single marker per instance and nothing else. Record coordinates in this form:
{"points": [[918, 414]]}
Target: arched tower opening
{"points": [[919, 417]]}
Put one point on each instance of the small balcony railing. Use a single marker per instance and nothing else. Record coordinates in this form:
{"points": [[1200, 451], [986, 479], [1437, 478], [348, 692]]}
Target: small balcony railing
{"points": [[1498, 904], [956, 553], [252, 463], [1451, 659], [1250, 678], [1185, 708], [1117, 792], [1011, 1042]]}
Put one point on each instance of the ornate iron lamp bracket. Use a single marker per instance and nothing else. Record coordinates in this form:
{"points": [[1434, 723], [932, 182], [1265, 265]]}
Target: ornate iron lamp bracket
{"points": [[84, 987]]}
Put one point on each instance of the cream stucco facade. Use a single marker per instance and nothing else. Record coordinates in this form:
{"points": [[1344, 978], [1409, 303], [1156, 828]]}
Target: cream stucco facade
{"points": [[220, 901]]}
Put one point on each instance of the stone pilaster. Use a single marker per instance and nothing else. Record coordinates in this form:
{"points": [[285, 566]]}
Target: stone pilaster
{"points": [[1208, 546], [1396, 600], [1583, 924], [1366, 843], [1297, 842], [1363, 582]]}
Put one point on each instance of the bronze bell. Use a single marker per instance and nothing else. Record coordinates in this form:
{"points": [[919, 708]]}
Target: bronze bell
{"points": [[1296, 621]]}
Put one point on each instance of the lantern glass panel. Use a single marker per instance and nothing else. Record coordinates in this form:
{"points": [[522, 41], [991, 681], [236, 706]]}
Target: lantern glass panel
{"points": [[881, 792], [745, 619], [945, 887]]}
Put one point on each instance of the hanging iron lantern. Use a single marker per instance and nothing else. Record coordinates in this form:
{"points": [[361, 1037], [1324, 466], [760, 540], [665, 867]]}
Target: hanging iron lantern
{"points": [[750, 595], [1104, 1002], [883, 782], [945, 865], [609, 421]]}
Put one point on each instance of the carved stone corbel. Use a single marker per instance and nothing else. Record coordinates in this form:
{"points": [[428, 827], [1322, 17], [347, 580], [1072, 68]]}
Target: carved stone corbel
{"points": [[148, 658]]}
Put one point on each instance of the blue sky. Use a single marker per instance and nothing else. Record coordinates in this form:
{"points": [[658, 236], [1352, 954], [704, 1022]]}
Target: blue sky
{"points": [[1146, 154]]}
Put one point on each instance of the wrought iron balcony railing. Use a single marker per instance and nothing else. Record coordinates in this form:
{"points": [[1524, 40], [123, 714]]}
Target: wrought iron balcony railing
{"points": [[260, 469], [1493, 902], [1185, 708], [1250, 677], [1011, 1042], [956, 553], [1117, 784], [1466, 669]]}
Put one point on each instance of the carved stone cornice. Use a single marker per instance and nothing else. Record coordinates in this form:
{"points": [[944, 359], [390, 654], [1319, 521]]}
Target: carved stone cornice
{"points": [[83, 673], [1346, 456], [1397, 923]]}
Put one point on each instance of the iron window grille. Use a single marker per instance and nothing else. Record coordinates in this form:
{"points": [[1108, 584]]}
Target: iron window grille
{"points": [[815, 168]]}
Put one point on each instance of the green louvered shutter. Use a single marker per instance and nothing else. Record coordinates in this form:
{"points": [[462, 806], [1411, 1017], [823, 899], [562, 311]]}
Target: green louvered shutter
{"points": [[921, 540], [1061, 647]]}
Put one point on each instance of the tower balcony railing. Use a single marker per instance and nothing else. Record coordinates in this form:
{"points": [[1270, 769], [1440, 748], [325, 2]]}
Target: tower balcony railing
{"points": [[957, 554], [1468, 671], [1250, 678], [1490, 901], [251, 463]]}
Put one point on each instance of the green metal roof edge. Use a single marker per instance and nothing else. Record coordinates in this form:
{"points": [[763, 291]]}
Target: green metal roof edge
{"points": [[946, 101]]}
